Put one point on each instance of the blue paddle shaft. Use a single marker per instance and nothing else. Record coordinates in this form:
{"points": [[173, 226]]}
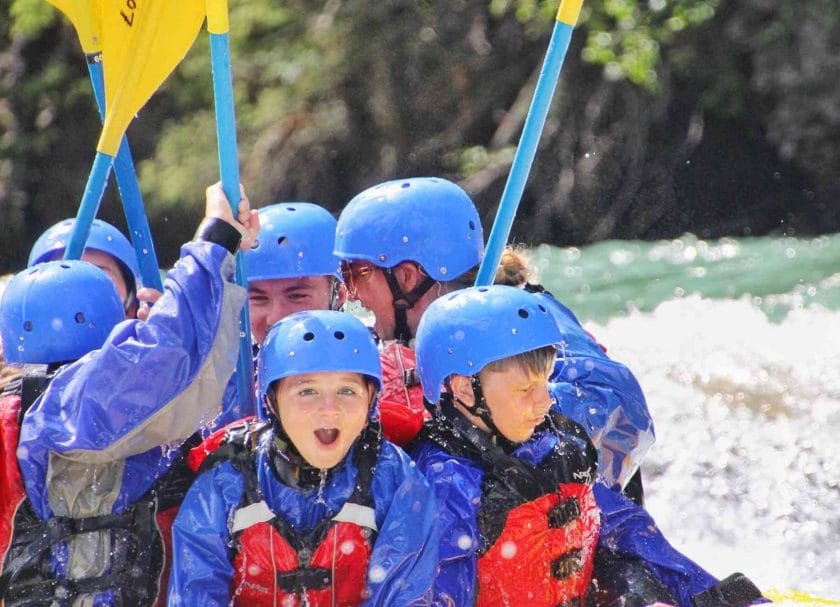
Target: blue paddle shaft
{"points": [[135, 214], [525, 152], [229, 169], [95, 188]]}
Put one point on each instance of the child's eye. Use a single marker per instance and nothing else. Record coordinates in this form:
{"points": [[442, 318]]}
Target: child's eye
{"points": [[347, 391], [307, 392], [299, 297], [258, 299]]}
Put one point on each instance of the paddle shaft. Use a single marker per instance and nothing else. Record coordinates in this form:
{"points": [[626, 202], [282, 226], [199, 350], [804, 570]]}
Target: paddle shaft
{"points": [[229, 169], [527, 149], [132, 200]]}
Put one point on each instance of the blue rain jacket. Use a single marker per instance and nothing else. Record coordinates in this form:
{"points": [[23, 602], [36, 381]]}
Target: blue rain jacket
{"points": [[105, 429], [406, 547], [456, 481], [628, 529], [602, 395]]}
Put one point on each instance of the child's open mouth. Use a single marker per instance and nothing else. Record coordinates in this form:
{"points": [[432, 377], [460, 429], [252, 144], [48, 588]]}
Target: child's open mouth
{"points": [[326, 436]]}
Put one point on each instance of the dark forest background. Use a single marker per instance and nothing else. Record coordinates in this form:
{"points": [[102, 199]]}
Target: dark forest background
{"points": [[671, 116]]}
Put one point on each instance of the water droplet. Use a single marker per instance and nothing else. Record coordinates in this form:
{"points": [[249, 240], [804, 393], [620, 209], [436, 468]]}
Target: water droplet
{"points": [[291, 353], [508, 550], [465, 542], [405, 239], [347, 547], [513, 331], [443, 270], [377, 574]]}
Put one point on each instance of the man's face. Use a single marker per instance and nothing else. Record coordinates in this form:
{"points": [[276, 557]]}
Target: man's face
{"points": [[272, 300], [366, 284]]}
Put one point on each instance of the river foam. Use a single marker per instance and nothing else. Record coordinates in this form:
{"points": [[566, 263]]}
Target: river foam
{"points": [[745, 473]]}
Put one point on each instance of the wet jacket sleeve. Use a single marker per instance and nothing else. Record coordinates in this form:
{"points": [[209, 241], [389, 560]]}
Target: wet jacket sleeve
{"points": [[152, 384], [457, 489], [405, 555], [628, 530], [601, 394], [202, 572]]}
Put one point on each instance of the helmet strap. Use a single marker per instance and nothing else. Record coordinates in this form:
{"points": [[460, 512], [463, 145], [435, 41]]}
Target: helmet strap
{"points": [[404, 301], [335, 289], [480, 409]]}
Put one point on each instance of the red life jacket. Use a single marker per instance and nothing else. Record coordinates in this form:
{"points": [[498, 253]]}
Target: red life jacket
{"points": [[546, 552], [539, 524], [141, 546], [401, 406], [274, 564]]}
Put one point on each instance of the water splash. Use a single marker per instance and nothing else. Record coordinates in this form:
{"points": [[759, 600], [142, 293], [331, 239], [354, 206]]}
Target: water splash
{"points": [[745, 474]]}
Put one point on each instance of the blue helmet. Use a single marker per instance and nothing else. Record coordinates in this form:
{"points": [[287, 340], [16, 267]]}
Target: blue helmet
{"points": [[427, 220], [103, 237], [315, 341], [296, 239], [471, 328], [57, 311]]}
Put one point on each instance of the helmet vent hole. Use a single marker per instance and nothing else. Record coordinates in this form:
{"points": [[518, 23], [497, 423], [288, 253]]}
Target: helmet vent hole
{"points": [[282, 241], [482, 290], [472, 225], [65, 266], [27, 326], [255, 245], [406, 185], [339, 334], [308, 336], [541, 307], [80, 318], [293, 209], [523, 313]]}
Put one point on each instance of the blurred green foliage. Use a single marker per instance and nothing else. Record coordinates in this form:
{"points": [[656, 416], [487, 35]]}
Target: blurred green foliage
{"points": [[671, 115]]}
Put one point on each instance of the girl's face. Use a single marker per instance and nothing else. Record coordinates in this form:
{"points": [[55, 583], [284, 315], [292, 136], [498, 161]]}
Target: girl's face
{"points": [[323, 413]]}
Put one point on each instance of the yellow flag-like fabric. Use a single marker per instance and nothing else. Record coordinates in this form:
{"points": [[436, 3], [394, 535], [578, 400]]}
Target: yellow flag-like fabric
{"points": [[142, 42], [84, 15]]}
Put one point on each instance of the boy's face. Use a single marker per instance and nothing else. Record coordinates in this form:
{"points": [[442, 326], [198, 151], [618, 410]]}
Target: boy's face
{"points": [[518, 400], [323, 413], [272, 300]]}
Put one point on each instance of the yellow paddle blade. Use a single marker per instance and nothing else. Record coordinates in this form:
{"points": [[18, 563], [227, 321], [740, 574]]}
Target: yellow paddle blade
{"points": [[142, 42], [84, 15], [794, 597]]}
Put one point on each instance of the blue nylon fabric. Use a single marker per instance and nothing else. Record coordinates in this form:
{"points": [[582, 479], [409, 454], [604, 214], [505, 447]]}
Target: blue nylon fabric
{"points": [[233, 407], [457, 482], [406, 547], [628, 529], [602, 395], [96, 401]]}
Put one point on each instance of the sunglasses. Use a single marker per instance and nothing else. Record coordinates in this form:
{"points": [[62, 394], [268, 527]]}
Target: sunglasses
{"points": [[352, 273]]}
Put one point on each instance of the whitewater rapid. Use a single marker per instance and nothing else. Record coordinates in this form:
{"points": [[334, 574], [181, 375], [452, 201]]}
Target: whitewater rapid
{"points": [[745, 473]]}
